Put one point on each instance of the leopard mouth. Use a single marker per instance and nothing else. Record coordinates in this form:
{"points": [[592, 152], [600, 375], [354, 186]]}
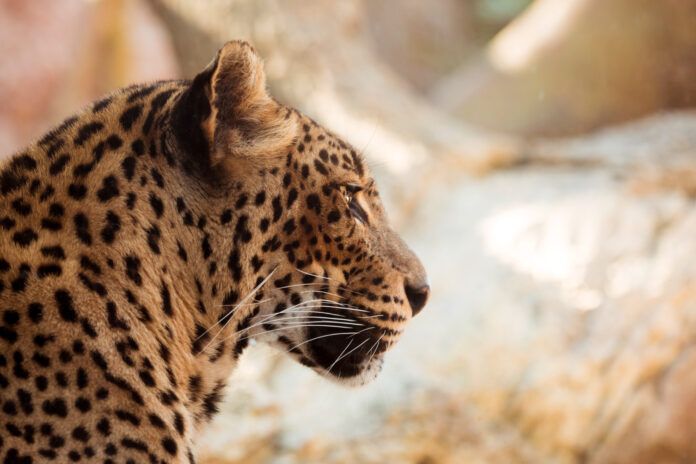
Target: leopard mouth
{"points": [[343, 355], [339, 340]]}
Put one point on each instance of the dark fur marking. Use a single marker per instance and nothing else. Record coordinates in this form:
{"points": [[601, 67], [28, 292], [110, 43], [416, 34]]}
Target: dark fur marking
{"points": [[46, 270], [153, 238], [128, 167], [21, 207], [64, 301], [58, 165], [25, 237], [166, 300], [111, 227], [86, 132], [133, 269], [109, 189], [77, 191], [130, 116], [82, 228], [156, 204]]}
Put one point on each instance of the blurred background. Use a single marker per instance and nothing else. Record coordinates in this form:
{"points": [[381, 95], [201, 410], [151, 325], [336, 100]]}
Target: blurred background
{"points": [[540, 156]]}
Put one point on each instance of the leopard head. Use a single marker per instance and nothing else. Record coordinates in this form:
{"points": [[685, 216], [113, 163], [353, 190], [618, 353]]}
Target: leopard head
{"points": [[328, 279]]}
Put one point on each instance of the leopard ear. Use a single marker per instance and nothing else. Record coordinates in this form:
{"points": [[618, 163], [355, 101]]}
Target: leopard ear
{"points": [[229, 107], [246, 121]]}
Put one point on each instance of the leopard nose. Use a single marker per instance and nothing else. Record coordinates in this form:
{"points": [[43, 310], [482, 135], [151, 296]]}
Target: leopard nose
{"points": [[417, 297]]}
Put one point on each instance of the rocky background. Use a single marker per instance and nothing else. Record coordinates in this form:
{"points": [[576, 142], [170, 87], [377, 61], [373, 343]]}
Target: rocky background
{"points": [[540, 156]]}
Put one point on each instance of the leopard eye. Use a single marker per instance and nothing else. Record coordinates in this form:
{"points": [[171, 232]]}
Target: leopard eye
{"points": [[349, 192]]}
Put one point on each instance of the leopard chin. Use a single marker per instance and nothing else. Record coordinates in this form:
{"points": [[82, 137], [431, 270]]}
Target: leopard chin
{"points": [[349, 372], [367, 372]]}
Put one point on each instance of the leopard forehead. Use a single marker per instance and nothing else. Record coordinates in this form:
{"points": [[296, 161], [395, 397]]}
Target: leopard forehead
{"points": [[144, 241]]}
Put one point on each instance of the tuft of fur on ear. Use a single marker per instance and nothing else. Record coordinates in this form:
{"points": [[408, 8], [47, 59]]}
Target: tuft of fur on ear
{"points": [[245, 120]]}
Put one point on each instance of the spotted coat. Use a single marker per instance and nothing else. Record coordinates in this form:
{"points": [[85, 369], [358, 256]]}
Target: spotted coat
{"points": [[145, 241]]}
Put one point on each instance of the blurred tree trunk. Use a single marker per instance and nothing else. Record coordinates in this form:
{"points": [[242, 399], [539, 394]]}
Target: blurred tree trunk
{"points": [[572, 66], [319, 60]]}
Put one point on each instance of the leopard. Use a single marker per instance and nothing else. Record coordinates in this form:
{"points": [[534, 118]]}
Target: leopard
{"points": [[148, 240]]}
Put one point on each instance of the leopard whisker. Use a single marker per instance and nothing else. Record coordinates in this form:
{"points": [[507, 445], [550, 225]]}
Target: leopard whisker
{"points": [[290, 350], [347, 322], [232, 311], [275, 315], [278, 314], [332, 325], [315, 319], [331, 304], [373, 350], [246, 336], [322, 292], [350, 341], [324, 314], [347, 354], [313, 303], [327, 335], [308, 284], [279, 318], [245, 304], [285, 287], [338, 305]]}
